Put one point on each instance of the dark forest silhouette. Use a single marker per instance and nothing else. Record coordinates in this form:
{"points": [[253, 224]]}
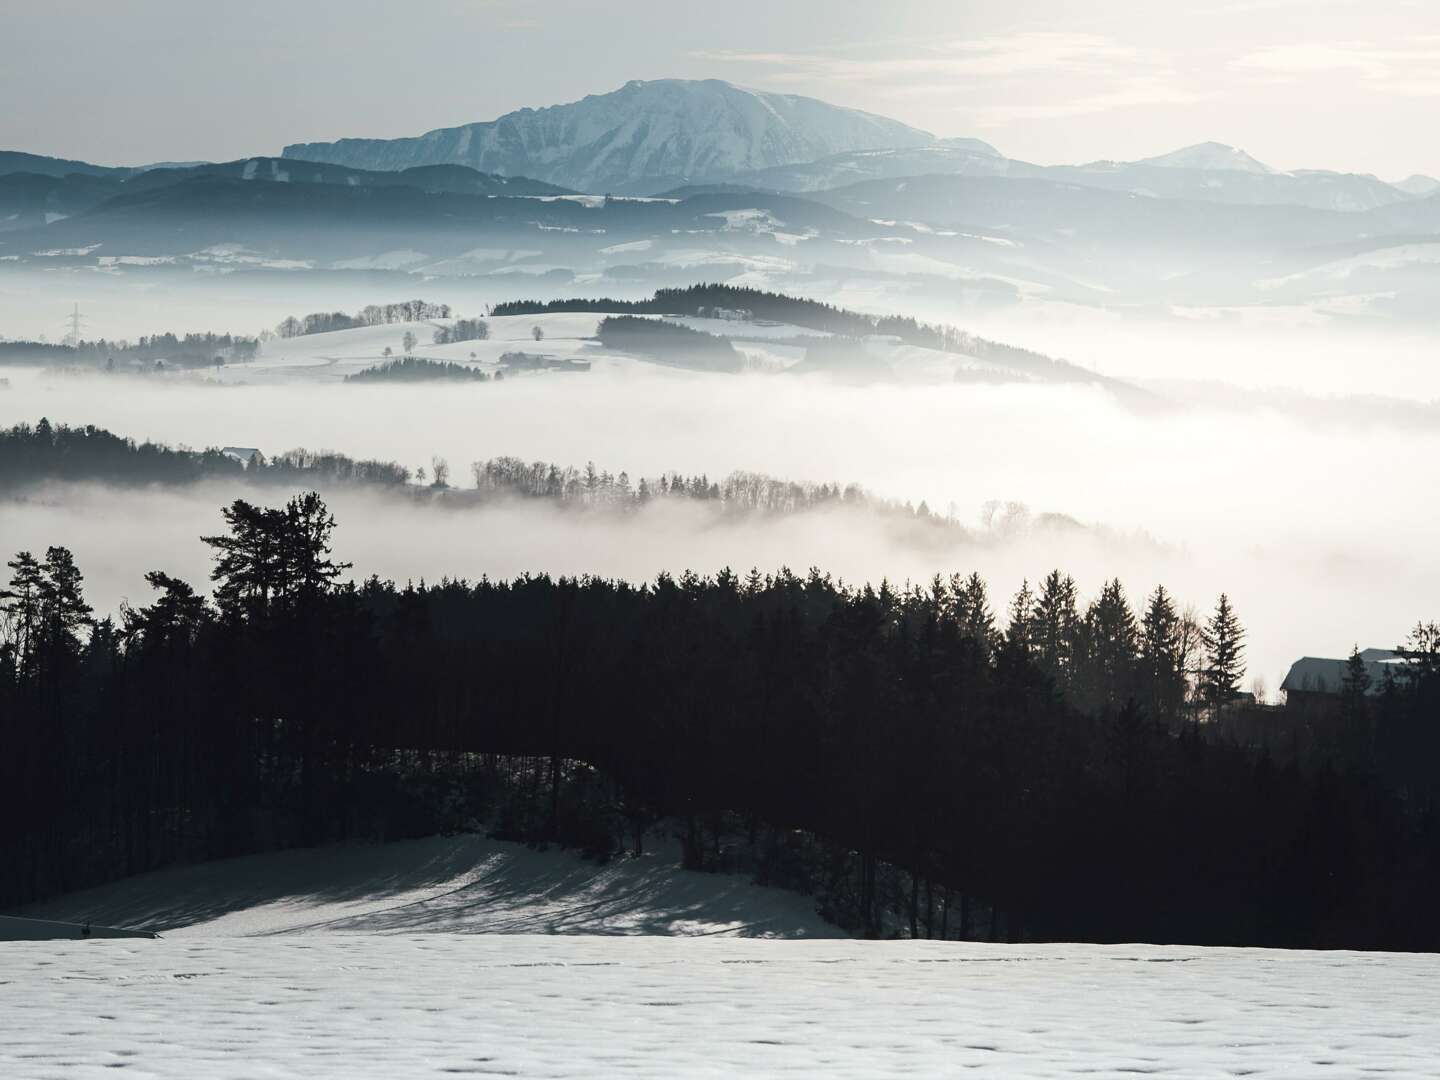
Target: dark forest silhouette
{"points": [[416, 369], [35, 454], [897, 753]]}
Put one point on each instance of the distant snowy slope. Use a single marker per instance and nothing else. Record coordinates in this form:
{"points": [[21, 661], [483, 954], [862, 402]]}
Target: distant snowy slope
{"points": [[463, 884], [645, 134], [1419, 185], [971, 159], [1209, 156], [1209, 172]]}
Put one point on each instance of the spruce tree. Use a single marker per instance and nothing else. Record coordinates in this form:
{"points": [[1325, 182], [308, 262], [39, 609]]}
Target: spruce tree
{"points": [[1224, 641], [1162, 663], [1055, 628], [1108, 661]]}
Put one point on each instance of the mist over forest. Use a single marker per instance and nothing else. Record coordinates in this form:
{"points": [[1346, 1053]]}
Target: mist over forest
{"points": [[1246, 494], [869, 513]]}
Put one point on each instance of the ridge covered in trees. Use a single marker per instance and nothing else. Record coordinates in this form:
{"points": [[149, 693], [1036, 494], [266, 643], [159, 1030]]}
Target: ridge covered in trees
{"points": [[897, 753], [35, 454], [417, 369], [669, 342], [707, 300], [323, 322], [188, 350]]}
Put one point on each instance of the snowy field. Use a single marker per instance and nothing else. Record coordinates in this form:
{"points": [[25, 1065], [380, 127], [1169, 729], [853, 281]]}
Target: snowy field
{"points": [[462, 884], [463, 956], [362, 1006]]}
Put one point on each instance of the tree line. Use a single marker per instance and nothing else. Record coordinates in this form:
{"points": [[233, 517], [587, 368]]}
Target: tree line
{"points": [[462, 330], [187, 350], [34, 454], [914, 764], [37, 453], [669, 342], [418, 369], [322, 322], [724, 301]]}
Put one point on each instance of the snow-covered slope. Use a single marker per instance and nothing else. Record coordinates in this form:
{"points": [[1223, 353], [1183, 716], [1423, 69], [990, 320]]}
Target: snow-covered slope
{"points": [[645, 135], [362, 1007], [1210, 156], [457, 885], [972, 158], [1419, 185]]}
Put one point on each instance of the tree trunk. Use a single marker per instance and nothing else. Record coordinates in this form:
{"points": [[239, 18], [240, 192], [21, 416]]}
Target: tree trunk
{"points": [[914, 907]]}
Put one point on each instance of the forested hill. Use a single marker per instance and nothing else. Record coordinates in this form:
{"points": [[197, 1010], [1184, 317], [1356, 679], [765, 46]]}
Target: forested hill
{"points": [[900, 755], [31, 455], [727, 300]]}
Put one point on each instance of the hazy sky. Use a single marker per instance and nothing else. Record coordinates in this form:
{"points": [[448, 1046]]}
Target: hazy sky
{"points": [[1344, 84]]}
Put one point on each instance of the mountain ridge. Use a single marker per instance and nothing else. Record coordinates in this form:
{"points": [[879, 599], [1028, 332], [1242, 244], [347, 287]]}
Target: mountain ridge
{"points": [[643, 136]]}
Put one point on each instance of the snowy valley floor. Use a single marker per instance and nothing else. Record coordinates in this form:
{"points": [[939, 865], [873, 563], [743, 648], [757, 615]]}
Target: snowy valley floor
{"points": [[396, 962]]}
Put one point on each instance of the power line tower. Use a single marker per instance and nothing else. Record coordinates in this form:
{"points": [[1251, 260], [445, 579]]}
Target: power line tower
{"points": [[74, 320]]}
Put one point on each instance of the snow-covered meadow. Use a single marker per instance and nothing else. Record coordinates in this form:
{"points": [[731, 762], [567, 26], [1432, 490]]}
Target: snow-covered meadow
{"points": [[360, 1006], [466, 956]]}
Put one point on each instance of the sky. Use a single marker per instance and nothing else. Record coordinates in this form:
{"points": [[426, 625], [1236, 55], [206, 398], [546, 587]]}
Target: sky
{"points": [[1352, 85]]}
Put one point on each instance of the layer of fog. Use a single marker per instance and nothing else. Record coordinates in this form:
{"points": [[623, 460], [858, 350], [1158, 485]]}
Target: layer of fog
{"points": [[1255, 349], [1263, 346], [1323, 535]]}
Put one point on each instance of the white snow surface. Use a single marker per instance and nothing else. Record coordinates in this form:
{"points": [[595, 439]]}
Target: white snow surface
{"points": [[465, 956], [366, 1006], [461, 884]]}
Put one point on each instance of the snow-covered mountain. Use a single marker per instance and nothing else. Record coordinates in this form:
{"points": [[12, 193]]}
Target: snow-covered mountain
{"points": [[1209, 157], [1208, 172], [644, 136], [952, 157], [1419, 185]]}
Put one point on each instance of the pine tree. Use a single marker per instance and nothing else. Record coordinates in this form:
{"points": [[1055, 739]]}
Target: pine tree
{"points": [[972, 611], [1019, 634], [1108, 660], [1224, 640], [20, 604], [1055, 628], [1162, 663]]}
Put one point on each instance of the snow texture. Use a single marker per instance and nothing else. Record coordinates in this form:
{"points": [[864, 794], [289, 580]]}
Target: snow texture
{"points": [[361, 1006]]}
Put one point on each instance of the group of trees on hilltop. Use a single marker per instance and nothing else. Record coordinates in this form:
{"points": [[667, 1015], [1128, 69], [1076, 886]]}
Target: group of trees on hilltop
{"points": [[892, 752], [463, 330], [710, 299], [185, 350], [371, 315], [417, 369], [34, 454], [669, 342]]}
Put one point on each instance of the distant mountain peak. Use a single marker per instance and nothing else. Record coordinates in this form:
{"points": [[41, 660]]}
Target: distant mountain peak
{"points": [[645, 135], [1419, 184], [1210, 157]]}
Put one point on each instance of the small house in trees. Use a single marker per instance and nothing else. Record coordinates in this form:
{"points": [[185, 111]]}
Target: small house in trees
{"points": [[1317, 682]]}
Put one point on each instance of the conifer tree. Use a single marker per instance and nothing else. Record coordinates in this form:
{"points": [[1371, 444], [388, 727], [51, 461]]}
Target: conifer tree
{"points": [[1019, 633], [1055, 628], [1224, 641], [1108, 661], [1162, 663]]}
